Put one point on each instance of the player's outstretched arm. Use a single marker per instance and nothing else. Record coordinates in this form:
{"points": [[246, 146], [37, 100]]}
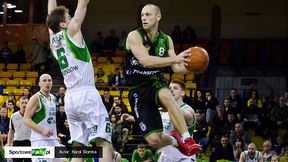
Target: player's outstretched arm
{"points": [[134, 43], [79, 16], [180, 67], [10, 136], [52, 4]]}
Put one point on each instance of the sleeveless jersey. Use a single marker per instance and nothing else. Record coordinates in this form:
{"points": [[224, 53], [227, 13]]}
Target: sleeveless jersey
{"points": [[254, 159], [170, 151], [116, 155], [74, 61], [45, 116], [136, 74]]}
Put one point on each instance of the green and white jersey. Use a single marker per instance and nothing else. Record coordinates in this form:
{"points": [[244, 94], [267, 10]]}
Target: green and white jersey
{"points": [[169, 151], [168, 126], [45, 116], [74, 61]]}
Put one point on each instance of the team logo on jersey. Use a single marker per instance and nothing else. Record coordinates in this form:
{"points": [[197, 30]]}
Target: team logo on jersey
{"points": [[128, 72], [143, 126], [134, 61], [161, 40], [135, 95], [51, 120]]}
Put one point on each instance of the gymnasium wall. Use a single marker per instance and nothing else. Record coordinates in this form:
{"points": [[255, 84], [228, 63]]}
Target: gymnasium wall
{"points": [[244, 19], [240, 18]]}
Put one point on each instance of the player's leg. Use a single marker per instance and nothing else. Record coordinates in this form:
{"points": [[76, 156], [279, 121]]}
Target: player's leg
{"points": [[174, 110], [98, 124], [106, 148]]}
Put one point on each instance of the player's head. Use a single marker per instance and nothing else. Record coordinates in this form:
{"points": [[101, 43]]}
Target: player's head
{"points": [[251, 149], [58, 19], [177, 88], [45, 82], [23, 101], [141, 149], [150, 16]]}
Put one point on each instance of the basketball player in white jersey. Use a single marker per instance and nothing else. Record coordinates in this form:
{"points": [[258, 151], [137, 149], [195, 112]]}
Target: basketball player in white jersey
{"points": [[87, 116], [170, 153], [40, 116], [251, 155]]}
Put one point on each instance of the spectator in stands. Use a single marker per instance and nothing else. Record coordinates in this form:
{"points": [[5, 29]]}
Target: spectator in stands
{"points": [[239, 132], [142, 154], [117, 78], [19, 134], [117, 100], [122, 40], [199, 103], [64, 133], [228, 108], [107, 99], [279, 114], [116, 125], [98, 43], [5, 53], [117, 110], [236, 103], [189, 35], [4, 124], [101, 78], [11, 108], [60, 96], [251, 154], [231, 121], [219, 124], [238, 148], [254, 100], [60, 117], [211, 103], [268, 104], [11, 97], [201, 131], [111, 42], [267, 151], [26, 93], [275, 158], [38, 58], [176, 35], [49, 57], [223, 151], [19, 55]]}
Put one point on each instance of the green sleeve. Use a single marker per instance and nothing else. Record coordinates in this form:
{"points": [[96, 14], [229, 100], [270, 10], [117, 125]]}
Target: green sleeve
{"points": [[149, 154], [134, 156]]}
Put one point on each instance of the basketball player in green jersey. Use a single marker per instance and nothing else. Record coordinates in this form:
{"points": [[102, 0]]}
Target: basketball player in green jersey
{"points": [[40, 116], [87, 116], [148, 52]]}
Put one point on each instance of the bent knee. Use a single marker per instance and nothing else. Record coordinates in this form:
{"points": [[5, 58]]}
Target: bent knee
{"points": [[154, 142], [165, 95]]}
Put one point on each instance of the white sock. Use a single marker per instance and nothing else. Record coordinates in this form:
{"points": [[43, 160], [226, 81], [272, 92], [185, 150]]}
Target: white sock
{"points": [[185, 135], [174, 141]]}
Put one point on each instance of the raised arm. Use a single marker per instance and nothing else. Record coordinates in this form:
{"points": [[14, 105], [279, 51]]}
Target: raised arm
{"points": [[79, 16], [52, 4], [134, 43]]}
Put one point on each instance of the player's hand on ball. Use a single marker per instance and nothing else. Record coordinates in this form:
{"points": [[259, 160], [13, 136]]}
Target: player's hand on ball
{"points": [[183, 57]]}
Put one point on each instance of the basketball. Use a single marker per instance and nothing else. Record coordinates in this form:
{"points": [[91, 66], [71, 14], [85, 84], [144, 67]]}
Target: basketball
{"points": [[199, 60]]}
